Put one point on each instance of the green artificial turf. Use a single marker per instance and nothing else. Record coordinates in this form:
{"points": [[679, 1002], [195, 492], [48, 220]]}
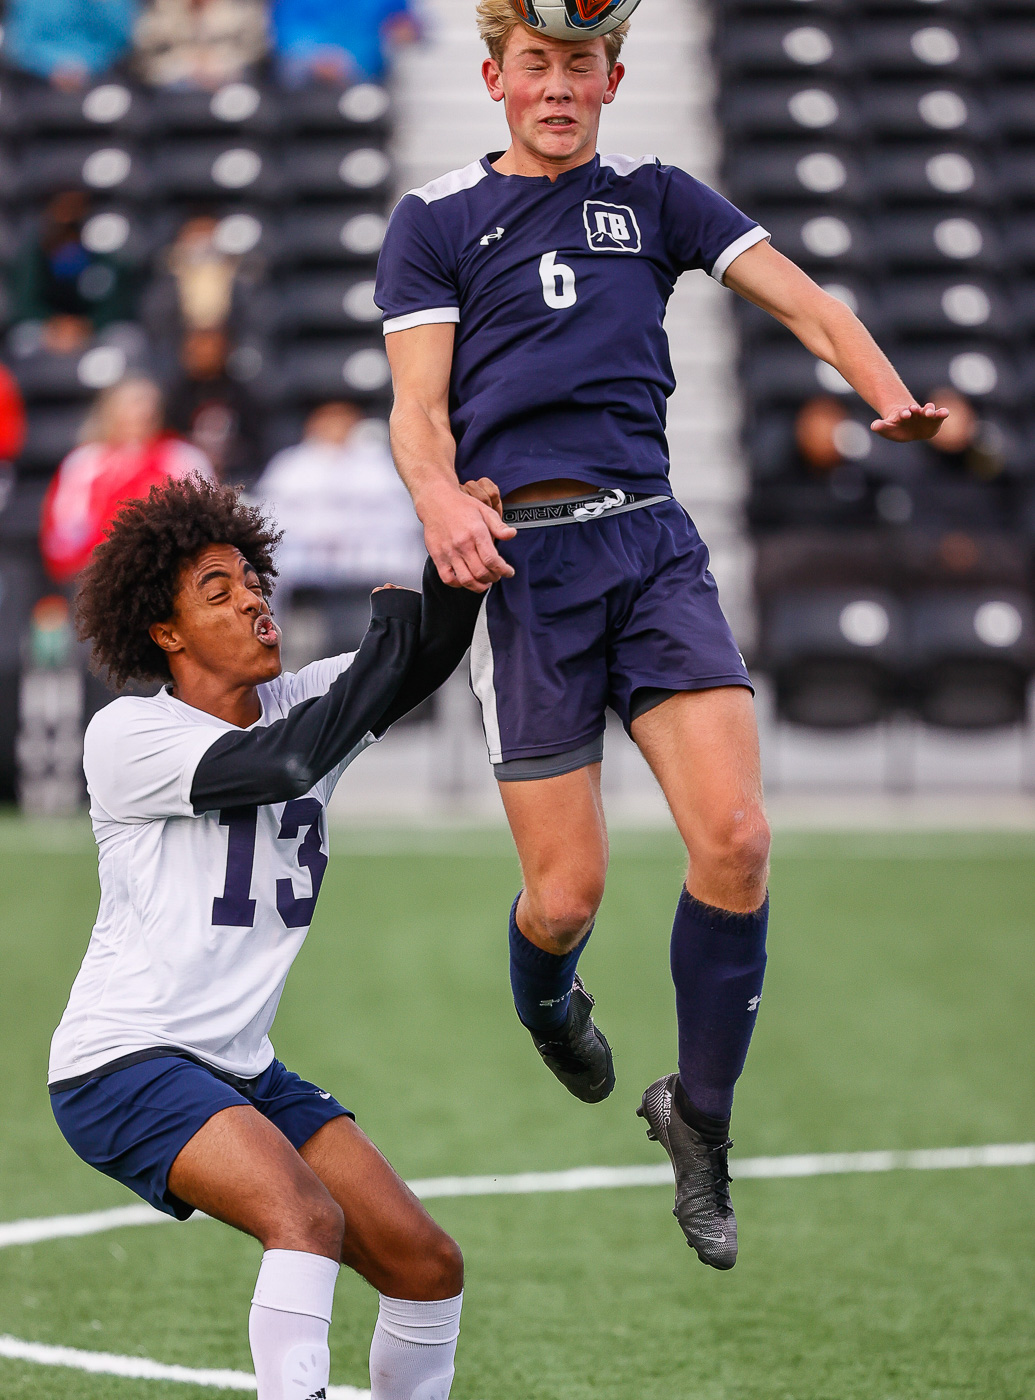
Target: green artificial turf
{"points": [[897, 1014]]}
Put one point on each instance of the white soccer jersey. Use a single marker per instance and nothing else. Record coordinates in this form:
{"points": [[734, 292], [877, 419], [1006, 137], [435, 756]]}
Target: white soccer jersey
{"points": [[200, 917]]}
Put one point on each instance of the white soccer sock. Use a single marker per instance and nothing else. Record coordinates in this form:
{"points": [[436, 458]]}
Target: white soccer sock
{"points": [[411, 1356], [287, 1326]]}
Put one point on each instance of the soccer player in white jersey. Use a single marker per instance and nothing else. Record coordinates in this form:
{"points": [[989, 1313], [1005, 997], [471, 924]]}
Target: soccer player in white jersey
{"points": [[208, 803], [524, 299]]}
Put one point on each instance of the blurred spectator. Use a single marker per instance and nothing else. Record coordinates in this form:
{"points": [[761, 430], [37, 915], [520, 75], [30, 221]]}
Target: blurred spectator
{"points": [[57, 283], [68, 42], [214, 411], [964, 447], [12, 431], [963, 485], [12, 417], [334, 42], [123, 454], [346, 516], [820, 482], [199, 43], [200, 286]]}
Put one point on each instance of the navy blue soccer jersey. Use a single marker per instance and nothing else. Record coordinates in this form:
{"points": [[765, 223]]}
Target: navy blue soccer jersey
{"points": [[561, 365]]}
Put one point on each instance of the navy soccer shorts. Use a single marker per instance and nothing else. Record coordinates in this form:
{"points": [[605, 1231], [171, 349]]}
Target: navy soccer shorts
{"points": [[600, 608], [132, 1123]]}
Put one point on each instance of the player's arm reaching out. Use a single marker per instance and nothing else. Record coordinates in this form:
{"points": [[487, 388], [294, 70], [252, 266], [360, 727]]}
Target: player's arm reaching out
{"points": [[461, 524], [832, 332], [395, 668]]}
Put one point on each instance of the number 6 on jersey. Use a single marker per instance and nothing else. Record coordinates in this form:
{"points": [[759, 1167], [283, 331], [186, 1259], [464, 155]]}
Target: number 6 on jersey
{"points": [[558, 281]]}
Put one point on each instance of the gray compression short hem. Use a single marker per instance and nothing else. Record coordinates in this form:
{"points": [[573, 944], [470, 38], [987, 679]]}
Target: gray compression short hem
{"points": [[552, 765]]}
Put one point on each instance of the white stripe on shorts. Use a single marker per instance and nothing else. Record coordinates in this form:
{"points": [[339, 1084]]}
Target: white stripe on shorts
{"points": [[482, 668]]}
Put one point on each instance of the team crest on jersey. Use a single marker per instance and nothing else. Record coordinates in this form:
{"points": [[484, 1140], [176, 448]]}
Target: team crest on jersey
{"points": [[610, 228]]}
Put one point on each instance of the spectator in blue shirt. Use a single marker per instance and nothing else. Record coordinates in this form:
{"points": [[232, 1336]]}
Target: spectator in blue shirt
{"points": [[343, 41], [68, 42]]}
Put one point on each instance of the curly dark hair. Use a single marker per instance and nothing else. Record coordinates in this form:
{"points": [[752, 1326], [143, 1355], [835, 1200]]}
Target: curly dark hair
{"points": [[131, 580]]}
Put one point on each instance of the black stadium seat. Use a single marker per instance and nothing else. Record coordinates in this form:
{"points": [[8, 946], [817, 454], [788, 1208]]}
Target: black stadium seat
{"points": [[932, 109], [943, 306], [109, 107], [971, 654], [215, 169], [800, 45], [1013, 108], [956, 176], [110, 168], [53, 432], [1009, 47], [336, 234], [237, 106], [335, 169], [981, 370], [939, 239], [835, 654], [920, 47], [1016, 175], [789, 108], [819, 241], [357, 367], [330, 302], [361, 109], [788, 173]]}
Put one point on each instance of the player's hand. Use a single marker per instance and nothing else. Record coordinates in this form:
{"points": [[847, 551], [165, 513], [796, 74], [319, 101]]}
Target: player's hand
{"points": [[910, 422], [485, 491], [460, 532]]}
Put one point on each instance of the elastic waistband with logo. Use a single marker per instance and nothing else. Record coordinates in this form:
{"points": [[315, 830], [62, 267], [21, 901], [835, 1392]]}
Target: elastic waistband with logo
{"points": [[577, 509]]}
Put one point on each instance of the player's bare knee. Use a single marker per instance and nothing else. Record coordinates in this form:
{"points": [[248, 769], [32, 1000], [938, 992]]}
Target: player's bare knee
{"points": [[562, 916], [317, 1220], [746, 854], [445, 1268]]}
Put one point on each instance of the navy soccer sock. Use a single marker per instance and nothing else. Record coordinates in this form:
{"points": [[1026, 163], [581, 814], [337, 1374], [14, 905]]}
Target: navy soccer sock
{"points": [[718, 962], [541, 981]]}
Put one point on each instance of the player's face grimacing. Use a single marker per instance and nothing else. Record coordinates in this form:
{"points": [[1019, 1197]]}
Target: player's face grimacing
{"points": [[221, 623], [553, 91]]}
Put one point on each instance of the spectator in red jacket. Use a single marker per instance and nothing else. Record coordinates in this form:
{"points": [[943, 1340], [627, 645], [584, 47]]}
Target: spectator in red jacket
{"points": [[125, 451]]}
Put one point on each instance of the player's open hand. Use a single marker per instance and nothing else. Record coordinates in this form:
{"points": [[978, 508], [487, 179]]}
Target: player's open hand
{"points": [[460, 532], [911, 423]]}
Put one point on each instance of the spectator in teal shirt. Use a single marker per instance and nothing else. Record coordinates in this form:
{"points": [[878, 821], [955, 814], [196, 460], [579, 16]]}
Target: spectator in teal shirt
{"points": [[68, 42], [338, 40]]}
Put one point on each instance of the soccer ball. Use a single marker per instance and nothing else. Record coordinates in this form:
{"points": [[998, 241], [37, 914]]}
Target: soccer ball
{"points": [[574, 19]]}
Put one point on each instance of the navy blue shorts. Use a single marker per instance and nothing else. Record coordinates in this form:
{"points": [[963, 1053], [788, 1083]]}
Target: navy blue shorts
{"points": [[132, 1124], [596, 611]]}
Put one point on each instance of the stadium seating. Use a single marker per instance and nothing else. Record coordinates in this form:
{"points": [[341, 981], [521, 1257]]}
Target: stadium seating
{"points": [[889, 148], [299, 181]]}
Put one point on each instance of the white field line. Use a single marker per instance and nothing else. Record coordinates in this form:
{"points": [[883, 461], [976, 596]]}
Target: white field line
{"points": [[142, 1369], [55, 1227], [1013, 1154]]}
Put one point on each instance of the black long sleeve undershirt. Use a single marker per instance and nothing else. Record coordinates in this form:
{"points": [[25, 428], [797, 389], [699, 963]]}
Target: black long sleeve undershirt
{"points": [[446, 627], [396, 668], [254, 767]]}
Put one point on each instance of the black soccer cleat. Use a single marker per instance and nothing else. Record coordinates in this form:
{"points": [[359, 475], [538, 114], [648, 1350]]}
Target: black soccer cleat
{"points": [[577, 1052], [703, 1206]]}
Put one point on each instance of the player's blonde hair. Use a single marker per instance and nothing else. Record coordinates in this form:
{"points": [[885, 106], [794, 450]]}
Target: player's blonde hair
{"points": [[497, 20]]}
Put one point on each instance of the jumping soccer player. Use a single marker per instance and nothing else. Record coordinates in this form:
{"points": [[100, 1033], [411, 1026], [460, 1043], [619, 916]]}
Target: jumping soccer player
{"points": [[209, 804], [524, 299]]}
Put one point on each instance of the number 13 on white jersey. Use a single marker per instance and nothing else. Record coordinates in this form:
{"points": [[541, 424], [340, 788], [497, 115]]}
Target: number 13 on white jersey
{"points": [[558, 281]]}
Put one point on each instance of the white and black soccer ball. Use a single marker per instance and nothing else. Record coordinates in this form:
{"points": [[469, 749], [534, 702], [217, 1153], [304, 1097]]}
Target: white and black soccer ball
{"points": [[574, 19]]}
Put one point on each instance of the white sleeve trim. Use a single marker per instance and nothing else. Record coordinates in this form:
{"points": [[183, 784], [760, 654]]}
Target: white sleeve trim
{"points": [[436, 315], [739, 245]]}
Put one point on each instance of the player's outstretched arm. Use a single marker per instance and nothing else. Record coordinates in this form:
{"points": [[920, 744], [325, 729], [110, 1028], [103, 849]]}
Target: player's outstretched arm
{"points": [[254, 767], [460, 531], [832, 332], [447, 623]]}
